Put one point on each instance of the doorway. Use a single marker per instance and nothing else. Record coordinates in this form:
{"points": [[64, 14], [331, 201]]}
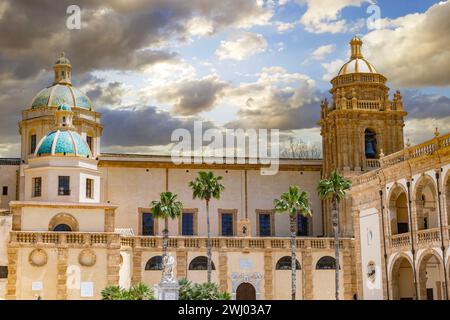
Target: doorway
{"points": [[245, 291]]}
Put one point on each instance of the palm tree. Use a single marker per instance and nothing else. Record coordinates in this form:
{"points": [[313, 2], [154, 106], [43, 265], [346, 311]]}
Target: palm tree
{"points": [[335, 188], [293, 202], [168, 206], [205, 187]]}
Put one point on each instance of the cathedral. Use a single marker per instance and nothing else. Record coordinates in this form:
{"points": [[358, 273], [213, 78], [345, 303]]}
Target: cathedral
{"points": [[74, 220]]}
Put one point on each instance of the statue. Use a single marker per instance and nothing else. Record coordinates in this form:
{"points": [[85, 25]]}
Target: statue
{"points": [[168, 263], [168, 288]]}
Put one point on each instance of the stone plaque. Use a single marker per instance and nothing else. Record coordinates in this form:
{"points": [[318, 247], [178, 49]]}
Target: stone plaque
{"points": [[36, 286], [87, 289]]}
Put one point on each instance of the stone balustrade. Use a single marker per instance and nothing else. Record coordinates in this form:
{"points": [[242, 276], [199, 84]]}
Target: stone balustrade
{"points": [[234, 243], [429, 236], [426, 148], [402, 240], [64, 238]]}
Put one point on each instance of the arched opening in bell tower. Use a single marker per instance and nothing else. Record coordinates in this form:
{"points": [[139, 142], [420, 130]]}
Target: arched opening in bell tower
{"points": [[370, 144]]}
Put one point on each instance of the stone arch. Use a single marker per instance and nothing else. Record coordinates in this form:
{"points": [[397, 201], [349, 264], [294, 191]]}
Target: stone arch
{"points": [[402, 278], [284, 263], [425, 200], [246, 291], [398, 210], [63, 219], [201, 263], [431, 276]]}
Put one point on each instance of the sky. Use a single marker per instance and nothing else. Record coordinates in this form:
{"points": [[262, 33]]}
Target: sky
{"points": [[152, 66]]}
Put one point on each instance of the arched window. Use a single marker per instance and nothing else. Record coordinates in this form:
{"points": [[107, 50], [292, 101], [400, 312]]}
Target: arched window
{"points": [[326, 263], [63, 222], [370, 143], [201, 263], [285, 264], [154, 263], [62, 228]]}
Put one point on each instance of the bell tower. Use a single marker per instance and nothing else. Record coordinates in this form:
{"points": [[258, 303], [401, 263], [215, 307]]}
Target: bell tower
{"points": [[360, 122], [358, 125]]}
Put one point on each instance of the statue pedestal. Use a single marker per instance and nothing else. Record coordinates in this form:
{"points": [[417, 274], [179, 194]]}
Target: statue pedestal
{"points": [[167, 291]]}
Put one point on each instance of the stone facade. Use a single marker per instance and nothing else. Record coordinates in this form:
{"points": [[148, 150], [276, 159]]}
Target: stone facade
{"points": [[70, 240]]}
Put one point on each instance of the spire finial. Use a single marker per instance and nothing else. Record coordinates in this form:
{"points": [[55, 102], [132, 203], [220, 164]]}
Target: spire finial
{"points": [[355, 45], [436, 132]]}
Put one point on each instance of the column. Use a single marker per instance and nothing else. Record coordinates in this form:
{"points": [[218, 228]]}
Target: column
{"points": [[137, 265], [61, 275], [268, 275], [181, 264], [11, 290], [223, 271], [113, 263], [307, 273]]}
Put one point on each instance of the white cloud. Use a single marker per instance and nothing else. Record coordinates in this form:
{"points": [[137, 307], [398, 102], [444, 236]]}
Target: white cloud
{"points": [[285, 26], [413, 50], [278, 99], [332, 68], [325, 15], [322, 51], [241, 46]]}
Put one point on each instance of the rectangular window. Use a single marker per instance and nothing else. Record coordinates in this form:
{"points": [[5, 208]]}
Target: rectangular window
{"points": [[402, 227], [265, 224], [4, 191], [187, 224], [63, 185], [227, 224], [89, 188], [3, 272], [89, 142], [32, 143], [302, 225], [37, 187], [148, 224]]}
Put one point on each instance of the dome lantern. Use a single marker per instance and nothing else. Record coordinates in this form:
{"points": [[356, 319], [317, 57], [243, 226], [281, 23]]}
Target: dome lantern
{"points": [[63, 70], [355, 45], [64, 117]]}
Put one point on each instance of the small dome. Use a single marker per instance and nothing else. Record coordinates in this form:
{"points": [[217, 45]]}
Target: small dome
{"points": [[63, 143], [59, 94], [358, 65], [64, 107]]}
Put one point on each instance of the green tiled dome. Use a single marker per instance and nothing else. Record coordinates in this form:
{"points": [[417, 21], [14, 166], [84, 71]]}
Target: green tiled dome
{"points": [[63, 143], [59, 94]]}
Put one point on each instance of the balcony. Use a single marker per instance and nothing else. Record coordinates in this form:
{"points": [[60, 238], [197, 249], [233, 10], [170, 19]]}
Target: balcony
{"points": [[423, 239], [372, 164], [70, 239], [401, 241], [234, 243]]}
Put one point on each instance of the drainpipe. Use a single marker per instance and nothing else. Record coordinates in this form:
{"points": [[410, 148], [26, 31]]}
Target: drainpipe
{"points": [[413, 251], [384, 245], [442, 235]]}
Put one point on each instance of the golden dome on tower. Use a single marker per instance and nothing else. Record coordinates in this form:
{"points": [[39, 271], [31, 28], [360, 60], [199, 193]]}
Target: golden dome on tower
{"points": [[357, 63]]}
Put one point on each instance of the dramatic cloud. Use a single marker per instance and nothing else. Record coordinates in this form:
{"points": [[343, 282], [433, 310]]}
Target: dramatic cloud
{"points": [[278, 100], [421, 106], [190, 97], [107, 94], [413, 50], [115, 34], [325, 15], [242, 46], [322, 51], [141, 126]]}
